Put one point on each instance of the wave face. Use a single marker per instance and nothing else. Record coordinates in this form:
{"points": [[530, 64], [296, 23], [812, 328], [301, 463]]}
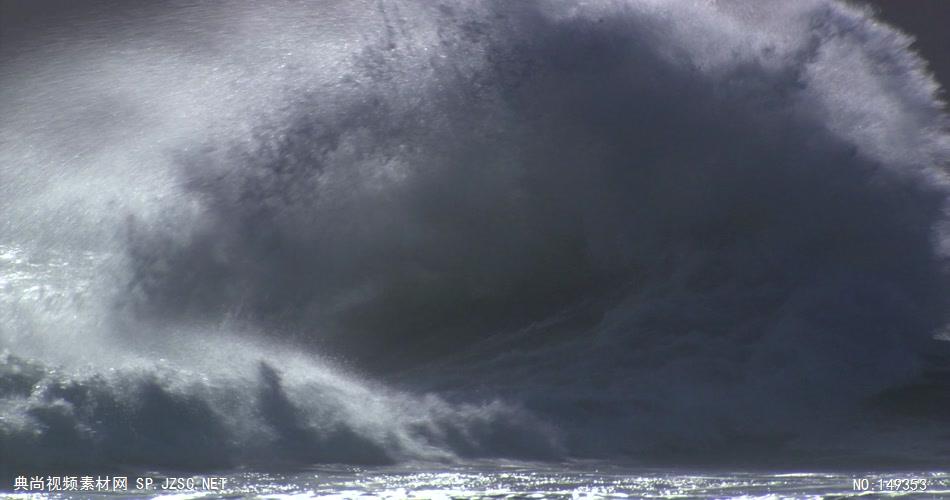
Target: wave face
{"points": [[382, 232]]}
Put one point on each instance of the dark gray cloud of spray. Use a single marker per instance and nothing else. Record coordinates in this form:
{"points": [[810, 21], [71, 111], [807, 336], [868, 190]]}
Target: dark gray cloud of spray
{"points": [[650, 230]]}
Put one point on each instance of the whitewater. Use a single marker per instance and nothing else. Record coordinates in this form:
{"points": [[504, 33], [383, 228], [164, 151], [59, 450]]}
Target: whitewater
{"points": [[481, 245]]}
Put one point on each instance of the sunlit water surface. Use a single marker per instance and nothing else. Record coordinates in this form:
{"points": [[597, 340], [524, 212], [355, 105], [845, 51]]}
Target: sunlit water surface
{"points": [[543, 482]]}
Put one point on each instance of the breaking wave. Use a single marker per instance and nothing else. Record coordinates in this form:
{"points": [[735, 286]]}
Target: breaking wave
{"points": [[373, 233]]}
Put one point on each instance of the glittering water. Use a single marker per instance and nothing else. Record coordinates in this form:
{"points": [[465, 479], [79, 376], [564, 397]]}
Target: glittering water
{"points": [[538, 482]]}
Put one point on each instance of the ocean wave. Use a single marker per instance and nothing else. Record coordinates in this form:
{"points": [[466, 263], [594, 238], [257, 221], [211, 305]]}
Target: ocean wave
{"points": [[554, 229]]}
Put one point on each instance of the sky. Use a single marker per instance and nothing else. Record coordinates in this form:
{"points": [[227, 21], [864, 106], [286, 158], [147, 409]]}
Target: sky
{"points": [[926, 21]]}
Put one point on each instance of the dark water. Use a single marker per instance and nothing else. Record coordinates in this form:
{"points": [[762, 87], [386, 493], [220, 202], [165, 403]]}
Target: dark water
{"points": [[267, 236]]}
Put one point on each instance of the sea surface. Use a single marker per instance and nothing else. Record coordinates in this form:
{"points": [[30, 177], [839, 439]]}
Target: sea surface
{"points": [[517, 481]]}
